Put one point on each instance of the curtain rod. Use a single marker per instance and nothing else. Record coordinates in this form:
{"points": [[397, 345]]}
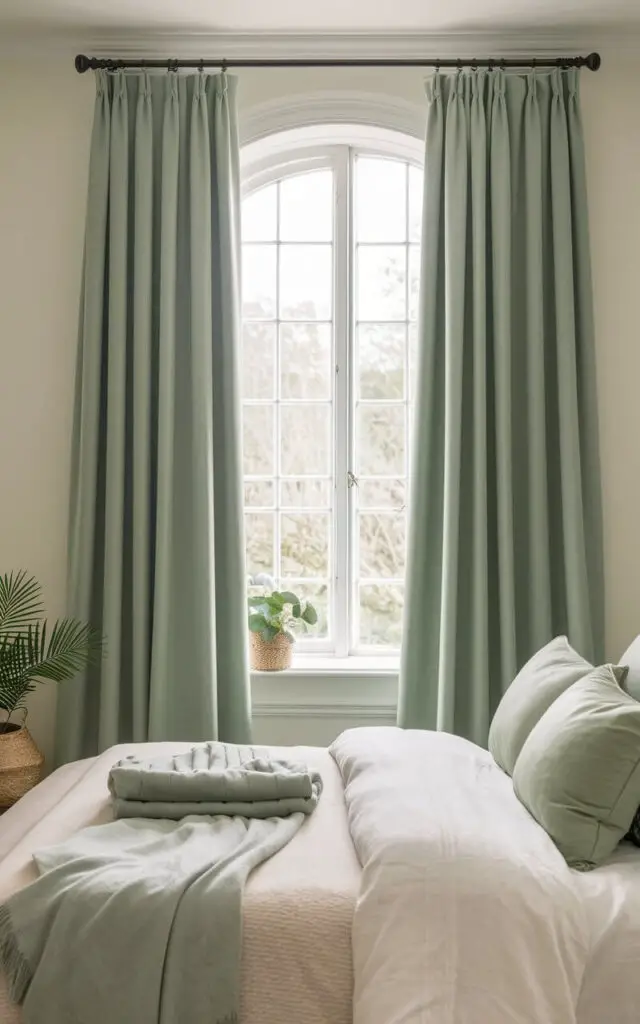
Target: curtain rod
{"points": [[591, 61]]}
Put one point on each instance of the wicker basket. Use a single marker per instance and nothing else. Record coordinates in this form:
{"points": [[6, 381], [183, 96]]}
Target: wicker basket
{"points": [[20, 764], [270, 655]]}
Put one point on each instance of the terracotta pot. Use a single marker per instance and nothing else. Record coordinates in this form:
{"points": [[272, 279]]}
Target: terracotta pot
{"points": [[270, 655], [20, 764]]}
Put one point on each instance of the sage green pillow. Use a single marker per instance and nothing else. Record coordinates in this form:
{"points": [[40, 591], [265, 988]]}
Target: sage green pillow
{"points": [[578, 773], [546, 675]]}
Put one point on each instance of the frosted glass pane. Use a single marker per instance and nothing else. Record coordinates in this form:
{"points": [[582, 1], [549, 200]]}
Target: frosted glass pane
{"points": [[305, 361], [258, 446], [380, 360], [304, 544], [305, 493], [381, 544], [381, 200], [305, 282], [414, 280], [382, 493], [259, 534], [381, 282], [380, 440], [380, 608], [305, 440], [306, 207], [259, 493], [260, 215], [258, 360], [259, 281], [416, 178]]}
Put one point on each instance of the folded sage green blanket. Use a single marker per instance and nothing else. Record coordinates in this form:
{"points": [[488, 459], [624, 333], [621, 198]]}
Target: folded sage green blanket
{"points": [[214, 778], [139, 921]]}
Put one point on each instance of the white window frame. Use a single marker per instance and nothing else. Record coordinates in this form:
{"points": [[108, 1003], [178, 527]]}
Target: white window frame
{"points": [[271, 158]]}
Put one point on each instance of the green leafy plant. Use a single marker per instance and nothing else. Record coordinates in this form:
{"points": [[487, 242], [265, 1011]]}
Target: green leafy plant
{"points": [[278, 611], [32, 652]]}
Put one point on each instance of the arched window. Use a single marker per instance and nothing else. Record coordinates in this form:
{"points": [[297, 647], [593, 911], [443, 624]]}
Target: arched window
{"points": [[330, 238]]}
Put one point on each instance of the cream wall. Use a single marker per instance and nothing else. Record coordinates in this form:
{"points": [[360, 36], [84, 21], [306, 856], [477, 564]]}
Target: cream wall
{"points": [[45, 124]]}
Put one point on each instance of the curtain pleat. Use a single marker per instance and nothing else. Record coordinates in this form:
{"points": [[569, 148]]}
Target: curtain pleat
{"points": [[505, 538], [156, 542]]}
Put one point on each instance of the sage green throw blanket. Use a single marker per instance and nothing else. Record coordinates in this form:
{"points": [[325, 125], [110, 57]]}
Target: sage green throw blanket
{"points": [[139, 921]]}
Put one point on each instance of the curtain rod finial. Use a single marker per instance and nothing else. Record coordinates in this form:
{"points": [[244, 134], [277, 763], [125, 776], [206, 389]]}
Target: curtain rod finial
{"points": [[82, 63], [593, 61]]}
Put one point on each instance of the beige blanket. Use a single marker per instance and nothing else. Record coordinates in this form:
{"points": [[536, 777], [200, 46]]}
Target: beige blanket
{"points": [[298, 906]]}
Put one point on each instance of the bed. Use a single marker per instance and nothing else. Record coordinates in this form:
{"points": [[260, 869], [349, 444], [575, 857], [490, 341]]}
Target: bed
{"points": [[298, 907], [464, 911]]}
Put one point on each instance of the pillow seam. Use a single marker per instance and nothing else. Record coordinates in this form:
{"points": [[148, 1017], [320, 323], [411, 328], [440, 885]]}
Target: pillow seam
{"points": [[599, 824]]}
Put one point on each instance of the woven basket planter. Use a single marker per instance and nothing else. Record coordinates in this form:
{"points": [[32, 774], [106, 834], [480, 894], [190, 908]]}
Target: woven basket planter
{"points": [[270, 655], [20, 764]]}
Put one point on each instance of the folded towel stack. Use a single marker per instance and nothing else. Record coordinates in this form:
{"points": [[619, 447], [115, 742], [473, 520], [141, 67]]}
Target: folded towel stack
{"points": [[215, 778]]}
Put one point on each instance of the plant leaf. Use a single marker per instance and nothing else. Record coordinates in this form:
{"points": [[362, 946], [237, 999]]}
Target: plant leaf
{"points": [[275, 601], [20, 601], [289, 598], [309, 614], [269, 632], [295, 611], [255, 602], [257, 623]]}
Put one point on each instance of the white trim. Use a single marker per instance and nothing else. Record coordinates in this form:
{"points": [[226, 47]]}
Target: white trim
{"points": [[181, 42], [341, 710], [333, 115]]}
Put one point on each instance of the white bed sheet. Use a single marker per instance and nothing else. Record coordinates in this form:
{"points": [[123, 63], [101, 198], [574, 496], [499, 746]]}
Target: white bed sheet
{"points": [[298, 907]]}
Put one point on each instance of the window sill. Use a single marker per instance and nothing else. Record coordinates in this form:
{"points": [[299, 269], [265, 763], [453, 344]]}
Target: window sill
{"points": [[328, 665]]}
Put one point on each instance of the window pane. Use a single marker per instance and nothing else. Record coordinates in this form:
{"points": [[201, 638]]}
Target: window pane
{"points": [[305, 282], [414, 280], [305, 493], [259, 281], [381, 493], [380, 607], [413, 359], [304, 544], [382, 282], [259, 532], [259, 492], [382, 544], [306, 207], [258, 440], [416, 178], [380, 440], [381, 355], [305, 440], [258, 360], [305, 361], [381, 200], [259, 215], [318, 594]]}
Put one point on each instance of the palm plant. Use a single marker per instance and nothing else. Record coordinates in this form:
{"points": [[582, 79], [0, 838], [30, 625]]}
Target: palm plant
{"points": [[30, 650]]}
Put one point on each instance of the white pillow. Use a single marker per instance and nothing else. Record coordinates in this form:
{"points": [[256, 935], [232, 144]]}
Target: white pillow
{"points": [[631, 657]]}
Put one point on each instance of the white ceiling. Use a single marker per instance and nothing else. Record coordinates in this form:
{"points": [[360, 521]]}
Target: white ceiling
{"points": [[317, 15]]}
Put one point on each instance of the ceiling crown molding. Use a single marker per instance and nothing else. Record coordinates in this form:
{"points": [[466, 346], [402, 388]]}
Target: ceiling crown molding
{"points": [[147, 43]]}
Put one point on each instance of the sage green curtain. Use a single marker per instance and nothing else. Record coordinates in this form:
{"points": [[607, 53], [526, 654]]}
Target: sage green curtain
{"points": [[505, 535], [156, 540]]}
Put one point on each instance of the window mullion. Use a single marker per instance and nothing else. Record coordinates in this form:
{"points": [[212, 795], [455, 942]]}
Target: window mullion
{"points": [[342, 419]]}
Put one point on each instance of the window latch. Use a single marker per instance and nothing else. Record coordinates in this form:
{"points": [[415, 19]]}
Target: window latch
{"points": [[352, 480]]}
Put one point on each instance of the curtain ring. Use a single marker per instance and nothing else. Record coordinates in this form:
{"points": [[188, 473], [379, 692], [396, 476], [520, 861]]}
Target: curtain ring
{"points": [[223, 66], [201, 66], [437, 65], [474, 63], [459, 63]]}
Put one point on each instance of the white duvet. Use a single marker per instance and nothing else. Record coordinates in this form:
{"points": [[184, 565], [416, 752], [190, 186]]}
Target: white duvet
{"points": [[467, 912]]}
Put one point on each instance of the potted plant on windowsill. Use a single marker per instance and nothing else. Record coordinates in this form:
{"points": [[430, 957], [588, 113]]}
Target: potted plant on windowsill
{"points": [[31, 653], [273, 617]]}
